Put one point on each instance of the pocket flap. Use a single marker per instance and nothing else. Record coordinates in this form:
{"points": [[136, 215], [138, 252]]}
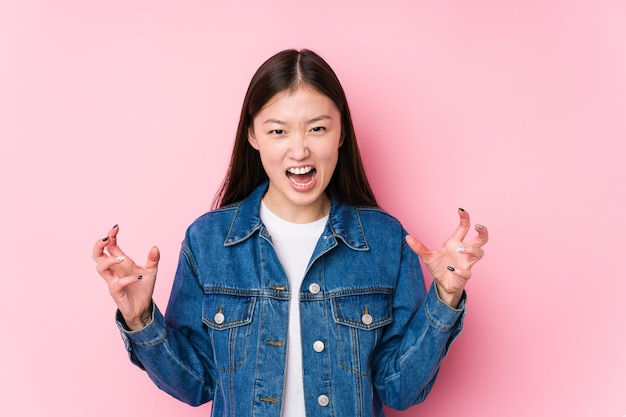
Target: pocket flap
{"points": [[364, 311], [224, 311]]}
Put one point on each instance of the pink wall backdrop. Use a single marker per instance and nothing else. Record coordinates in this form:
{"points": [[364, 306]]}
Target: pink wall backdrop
{"points": [[124, 112]]}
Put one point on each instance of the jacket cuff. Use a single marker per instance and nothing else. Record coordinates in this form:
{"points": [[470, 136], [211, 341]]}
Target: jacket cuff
{"points": [[151, 334], [441, 315]]}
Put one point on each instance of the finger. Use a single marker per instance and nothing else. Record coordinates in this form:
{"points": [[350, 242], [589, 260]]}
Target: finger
{"points": [[472, 252], [153, 257], [101, 244], [105, 264], [98, 249], [112, 247], [132, 279], [454, 282], [463, 273], [483, 235], [464, 225], [418, 247]]}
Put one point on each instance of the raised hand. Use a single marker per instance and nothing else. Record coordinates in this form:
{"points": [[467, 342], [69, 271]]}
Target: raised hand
{"points": [[130, 285], [451, 265]]}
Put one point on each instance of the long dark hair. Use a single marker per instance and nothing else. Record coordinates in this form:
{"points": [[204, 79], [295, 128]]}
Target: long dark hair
{"points": [[286, 71]]}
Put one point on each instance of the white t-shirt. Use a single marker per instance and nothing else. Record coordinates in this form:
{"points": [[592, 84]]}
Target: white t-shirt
{"points": [[294, 244]]}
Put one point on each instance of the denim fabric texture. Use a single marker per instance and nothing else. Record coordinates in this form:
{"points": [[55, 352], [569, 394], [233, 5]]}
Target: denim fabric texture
{"points": [[371, 333]]}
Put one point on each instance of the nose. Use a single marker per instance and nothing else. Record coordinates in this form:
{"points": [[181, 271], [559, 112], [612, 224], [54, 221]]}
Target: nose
{"points": [[298, 149]]}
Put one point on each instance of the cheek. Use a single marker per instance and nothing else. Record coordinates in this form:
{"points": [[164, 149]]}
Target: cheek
{"points": [[271, 158], [329, 160], [331, 152]]}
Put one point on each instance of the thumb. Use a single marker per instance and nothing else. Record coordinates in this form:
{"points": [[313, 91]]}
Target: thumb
{"points": [[153, 257], [418, 247]]}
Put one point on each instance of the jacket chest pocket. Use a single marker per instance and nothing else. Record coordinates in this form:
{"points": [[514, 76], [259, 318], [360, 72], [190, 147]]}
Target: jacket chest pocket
{"points": [[359, 321], [228, 318]]}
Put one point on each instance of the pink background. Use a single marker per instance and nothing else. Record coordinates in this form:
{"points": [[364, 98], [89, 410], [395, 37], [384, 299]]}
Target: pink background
{"points": [[124, 112]]}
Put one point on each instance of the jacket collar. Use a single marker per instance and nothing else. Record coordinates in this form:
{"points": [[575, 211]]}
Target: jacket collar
{"points": [[344, 222]]}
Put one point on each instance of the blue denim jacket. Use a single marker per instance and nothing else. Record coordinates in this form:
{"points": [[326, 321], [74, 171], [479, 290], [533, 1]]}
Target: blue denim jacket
{"points": [[371, 335]]}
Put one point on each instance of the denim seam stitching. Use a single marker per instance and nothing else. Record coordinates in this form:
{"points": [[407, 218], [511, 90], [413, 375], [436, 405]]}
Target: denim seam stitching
{"points": [[433, 322]]}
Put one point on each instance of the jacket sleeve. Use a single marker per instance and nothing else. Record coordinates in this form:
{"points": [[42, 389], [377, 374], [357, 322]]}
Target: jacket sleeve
{"points": [[409, 355], [168, 348]]}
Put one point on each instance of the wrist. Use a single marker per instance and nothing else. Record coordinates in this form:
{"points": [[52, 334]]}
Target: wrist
{"points": [[451, 299], [140, 322]]}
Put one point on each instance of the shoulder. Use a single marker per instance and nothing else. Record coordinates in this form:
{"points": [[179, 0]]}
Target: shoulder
{"points": [[360, 222], [240, 217], [377, 217], [215, 217], [212, 226], [380, 228]]}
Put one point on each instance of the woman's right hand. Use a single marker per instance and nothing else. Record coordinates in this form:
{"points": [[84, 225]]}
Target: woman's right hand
{"points": [[130, 285]]}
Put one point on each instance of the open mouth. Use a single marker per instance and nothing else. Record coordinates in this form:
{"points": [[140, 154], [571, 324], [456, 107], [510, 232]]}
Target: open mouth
{"points": [[301, 176]]}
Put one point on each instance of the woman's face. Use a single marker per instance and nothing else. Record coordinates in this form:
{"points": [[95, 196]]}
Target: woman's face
{"points": [[298, 135]]}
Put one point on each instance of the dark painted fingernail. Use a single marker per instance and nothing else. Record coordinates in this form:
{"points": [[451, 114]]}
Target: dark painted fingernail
{"points": [[114, 227], [461, 209], [105, 239], [451, 269], [139, 276]]}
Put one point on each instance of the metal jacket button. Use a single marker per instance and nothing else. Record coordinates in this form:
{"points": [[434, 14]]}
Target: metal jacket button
{"points": [[366, 318], [314, 288], [318, 346], [323, 400], [219, 317]]}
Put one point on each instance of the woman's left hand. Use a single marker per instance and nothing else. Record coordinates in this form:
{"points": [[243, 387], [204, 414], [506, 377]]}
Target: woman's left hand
{"points": [[451, 265]]}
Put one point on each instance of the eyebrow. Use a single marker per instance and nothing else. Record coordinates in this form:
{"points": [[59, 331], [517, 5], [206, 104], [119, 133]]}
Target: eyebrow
{"points": [[313, 120]]}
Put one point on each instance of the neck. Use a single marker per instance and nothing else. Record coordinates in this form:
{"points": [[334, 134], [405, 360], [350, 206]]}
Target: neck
{"points": [[299, 213]]}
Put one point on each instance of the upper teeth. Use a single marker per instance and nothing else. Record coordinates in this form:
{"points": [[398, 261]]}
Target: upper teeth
{"points": [[300, 171]]}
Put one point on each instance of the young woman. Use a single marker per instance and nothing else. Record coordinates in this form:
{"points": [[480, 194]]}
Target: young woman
{"points": [[297, 295]]}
